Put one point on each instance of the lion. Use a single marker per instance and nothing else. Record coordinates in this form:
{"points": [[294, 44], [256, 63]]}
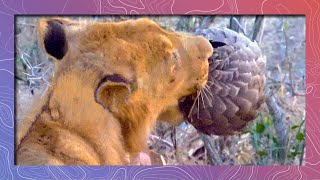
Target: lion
{"points": [[112, 81]]}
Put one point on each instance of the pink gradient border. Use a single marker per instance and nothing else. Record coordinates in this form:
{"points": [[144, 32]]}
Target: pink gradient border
{"points": [[309, 8]]}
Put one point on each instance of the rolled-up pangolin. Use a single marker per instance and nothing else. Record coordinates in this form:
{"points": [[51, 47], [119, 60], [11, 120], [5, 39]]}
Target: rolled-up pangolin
{"points": [[234, 91]]}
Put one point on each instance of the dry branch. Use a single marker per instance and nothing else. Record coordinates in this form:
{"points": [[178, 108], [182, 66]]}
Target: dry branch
{"points": [[280, 126], [258, 29], [213, 155]]}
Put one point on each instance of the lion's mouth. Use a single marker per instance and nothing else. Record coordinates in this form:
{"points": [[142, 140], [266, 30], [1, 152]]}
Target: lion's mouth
{"points": [[202, 82], [204, 85]]}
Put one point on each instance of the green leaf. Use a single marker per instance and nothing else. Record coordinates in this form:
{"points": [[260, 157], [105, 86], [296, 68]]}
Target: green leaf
{"points": [[298, 153], [294, 127], [267, 120], [262, 153], [300, 136], [260, 128], [268, 136], [294, 154], [275, 141]]}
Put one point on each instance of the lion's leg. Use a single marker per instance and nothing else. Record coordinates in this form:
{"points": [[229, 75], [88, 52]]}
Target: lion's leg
{"points": [[33, 154]]}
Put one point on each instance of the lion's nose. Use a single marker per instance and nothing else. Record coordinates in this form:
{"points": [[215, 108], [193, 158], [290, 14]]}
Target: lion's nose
{"points": [[205, 48]]}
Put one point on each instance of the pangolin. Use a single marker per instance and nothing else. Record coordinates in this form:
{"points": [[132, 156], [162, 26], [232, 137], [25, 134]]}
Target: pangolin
{"points": [[234, 91]]}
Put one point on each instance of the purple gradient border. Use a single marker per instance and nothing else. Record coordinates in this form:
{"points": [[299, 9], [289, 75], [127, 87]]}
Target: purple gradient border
{"points": [[8, 9]]}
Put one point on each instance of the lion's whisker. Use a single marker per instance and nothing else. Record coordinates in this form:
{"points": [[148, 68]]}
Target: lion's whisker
{"points": [[192, 107], [204, 106], [207, 89], [198, 111], [211, 83], [210, 100]]}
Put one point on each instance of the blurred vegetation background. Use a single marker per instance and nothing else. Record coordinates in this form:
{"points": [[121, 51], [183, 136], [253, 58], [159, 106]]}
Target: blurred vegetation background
{"points": [[276, 137]]}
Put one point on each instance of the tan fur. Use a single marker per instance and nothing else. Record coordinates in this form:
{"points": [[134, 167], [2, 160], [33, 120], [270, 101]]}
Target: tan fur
{"points": [[73, 126]]}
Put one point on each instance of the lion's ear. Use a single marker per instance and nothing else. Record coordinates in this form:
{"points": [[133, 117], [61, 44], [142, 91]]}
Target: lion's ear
{"points": [[112, 91], [53, 37]]}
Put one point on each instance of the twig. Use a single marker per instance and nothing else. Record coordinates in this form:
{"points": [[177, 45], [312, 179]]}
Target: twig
{"points": [[183, 23], [235, 24], [258, 28], [214, 157], [19, 78], [280, 126], [207, 21], [33, 75], [26, 24], [163, 160], [277, 82], [159, 139], [288, 59], [303, 149]]}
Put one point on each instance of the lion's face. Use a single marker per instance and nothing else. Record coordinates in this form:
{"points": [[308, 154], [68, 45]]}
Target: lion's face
{"points": [[139, 63]]}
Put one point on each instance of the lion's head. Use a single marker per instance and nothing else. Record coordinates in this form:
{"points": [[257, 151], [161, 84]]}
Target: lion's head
{"points": [[135, 69], [138, 61]]}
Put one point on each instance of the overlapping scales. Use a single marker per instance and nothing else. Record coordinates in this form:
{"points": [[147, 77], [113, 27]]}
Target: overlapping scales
{"points": [[234, 90]]}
